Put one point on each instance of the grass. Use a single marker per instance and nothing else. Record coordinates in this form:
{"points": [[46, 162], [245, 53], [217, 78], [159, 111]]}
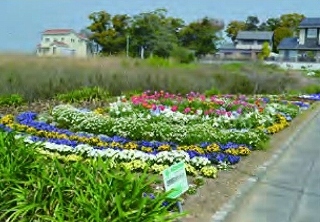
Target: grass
{"points": [[35, 187], [42, 78]]}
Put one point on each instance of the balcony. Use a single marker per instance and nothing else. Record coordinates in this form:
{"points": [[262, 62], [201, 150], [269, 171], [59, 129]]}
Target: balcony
{"points": [[251, 47]]}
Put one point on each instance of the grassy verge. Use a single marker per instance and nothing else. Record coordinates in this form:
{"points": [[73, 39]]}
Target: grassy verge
{"points": [[42, 78]]}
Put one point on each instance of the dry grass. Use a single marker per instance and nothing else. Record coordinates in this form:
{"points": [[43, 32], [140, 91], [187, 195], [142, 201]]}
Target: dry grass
{"points": [[42, 78]]}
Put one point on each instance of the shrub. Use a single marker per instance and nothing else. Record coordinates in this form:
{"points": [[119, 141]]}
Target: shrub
{"points": [[11, 100], [158, 62], [84, 94], [182, 55], [311, 89], [212, 91]]}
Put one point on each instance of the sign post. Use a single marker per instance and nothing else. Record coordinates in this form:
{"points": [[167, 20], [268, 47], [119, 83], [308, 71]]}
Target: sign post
{"points": [[175, 180]]}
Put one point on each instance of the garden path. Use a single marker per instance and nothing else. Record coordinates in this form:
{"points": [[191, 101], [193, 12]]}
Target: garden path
{"points": [[290, 190]]}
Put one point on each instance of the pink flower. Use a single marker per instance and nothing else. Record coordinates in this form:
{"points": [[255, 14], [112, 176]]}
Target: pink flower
{"points": [[154, 107], [161, 107], [187, 110], [174, 108]]}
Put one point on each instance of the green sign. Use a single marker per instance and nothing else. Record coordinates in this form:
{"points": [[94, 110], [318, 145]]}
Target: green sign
{"points": [[175, 179]]}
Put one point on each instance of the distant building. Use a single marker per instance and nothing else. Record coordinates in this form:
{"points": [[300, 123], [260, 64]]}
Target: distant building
{"points": [[305, 47], [248, 44], [63, 42]]}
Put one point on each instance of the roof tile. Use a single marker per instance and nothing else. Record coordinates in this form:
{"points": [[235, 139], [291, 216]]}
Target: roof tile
{"points": [[258, 35]]}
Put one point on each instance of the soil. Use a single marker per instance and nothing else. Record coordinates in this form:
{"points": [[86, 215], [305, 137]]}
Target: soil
{"points": [[216, 192]]}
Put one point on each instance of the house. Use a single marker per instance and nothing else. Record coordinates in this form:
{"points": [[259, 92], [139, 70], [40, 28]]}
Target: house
{"points": [[305, 47], [248, 44], [63, 42]]}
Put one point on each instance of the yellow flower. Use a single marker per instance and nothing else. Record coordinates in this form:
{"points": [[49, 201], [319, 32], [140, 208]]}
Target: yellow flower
{"points": [[209, 171], [191, 170], [185, 148], [213, 148], [131, 146], [198, 149], [138, 164], [31, 130], [7, 119], [164, 147], [146, 149], [115, 144], [99, 110], [244, 150], [102, 144], [158, 168]]}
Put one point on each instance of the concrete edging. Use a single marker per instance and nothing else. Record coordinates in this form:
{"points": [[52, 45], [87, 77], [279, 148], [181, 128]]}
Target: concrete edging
{"points": [[226, 209]]}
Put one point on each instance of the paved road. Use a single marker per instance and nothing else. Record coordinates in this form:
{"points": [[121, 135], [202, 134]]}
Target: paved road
{"points": [[290, 190]]}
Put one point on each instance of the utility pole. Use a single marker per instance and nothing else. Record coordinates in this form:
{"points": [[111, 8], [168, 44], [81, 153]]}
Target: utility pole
{"points": [[128, 43]]}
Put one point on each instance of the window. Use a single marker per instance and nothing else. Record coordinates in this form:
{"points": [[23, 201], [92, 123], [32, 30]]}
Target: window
{"points": [[47, 39], [261, 42], [72, 40], [62, 39], [246, 42], [312, 33]]}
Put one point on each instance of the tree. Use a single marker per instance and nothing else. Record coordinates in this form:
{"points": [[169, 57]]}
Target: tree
{"points": [[154, 34], [251, 23], [279, 34], [234, 27], [101, 24], [273, 23], [291, 21], [109, 32], [265, 51], [201, 36]]}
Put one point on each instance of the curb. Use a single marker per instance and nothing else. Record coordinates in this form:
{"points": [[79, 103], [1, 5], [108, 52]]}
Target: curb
{"points": [[227, 208]]}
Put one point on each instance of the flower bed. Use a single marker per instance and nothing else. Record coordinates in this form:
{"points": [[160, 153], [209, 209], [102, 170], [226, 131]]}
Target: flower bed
{"points": [[159, 129]]}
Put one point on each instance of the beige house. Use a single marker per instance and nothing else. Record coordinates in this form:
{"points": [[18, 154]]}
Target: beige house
{"points": [[63, 42]]}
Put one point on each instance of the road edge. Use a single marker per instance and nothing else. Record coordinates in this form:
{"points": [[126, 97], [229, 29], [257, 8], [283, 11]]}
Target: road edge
{"points": [[225, 210]]}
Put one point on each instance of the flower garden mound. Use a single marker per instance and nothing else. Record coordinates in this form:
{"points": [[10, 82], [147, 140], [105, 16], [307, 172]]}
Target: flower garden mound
{"points": [[158, 129]]}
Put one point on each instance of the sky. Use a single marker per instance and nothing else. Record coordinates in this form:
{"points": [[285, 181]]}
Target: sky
{"points": [[22, 21]]}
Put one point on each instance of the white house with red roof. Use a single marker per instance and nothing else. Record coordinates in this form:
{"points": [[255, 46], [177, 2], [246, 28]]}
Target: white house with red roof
{"points": [[63, 42]]}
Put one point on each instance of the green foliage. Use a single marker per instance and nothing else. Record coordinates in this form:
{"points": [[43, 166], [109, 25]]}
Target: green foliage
{"points": [[212, 91], [252, 23], [110, 33], [182, 55], [265, 51], [36, 188], [156, 61], [280, 33], [233, 67], [234, 27], [292, 21], [310, 89], [201, 36], [11, 100], [84, 94], [154, 32]]}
